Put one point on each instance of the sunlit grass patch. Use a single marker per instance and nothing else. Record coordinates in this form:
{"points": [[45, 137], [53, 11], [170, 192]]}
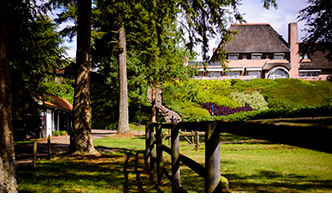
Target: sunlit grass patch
{"points": [[132, 142]]}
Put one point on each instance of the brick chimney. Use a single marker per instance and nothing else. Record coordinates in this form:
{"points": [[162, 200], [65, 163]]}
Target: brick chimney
{"points": [[294, 49]]}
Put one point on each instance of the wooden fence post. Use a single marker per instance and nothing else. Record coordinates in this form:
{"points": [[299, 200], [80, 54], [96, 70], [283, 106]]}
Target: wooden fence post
{"points": [[152, 148], [147, 145], [196, 141], [34, 153], [192, 137], [212, 159], [175, 159], [49, 146], [159, 141]]}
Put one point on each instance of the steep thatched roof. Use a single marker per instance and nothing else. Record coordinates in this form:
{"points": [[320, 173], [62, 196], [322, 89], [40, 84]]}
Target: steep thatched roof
{"points": [[256, 38], [317, 60]]}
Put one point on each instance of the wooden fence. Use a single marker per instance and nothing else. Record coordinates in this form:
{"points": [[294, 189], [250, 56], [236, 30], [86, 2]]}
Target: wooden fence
{"points": [[34, 150], [312, 133]]}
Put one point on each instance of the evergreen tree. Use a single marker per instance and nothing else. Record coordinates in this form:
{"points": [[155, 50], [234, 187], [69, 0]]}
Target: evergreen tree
{"points": [[318, 16], [29, 50], [35, 53], [82, 135]]}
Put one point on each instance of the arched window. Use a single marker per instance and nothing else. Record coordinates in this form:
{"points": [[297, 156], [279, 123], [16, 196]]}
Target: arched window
{"points": [[278, 72]]}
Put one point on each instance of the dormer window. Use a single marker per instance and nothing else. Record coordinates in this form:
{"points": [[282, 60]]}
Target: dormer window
{"points": [[304, 57], [278, 56], [233, 56], [256, 56]]}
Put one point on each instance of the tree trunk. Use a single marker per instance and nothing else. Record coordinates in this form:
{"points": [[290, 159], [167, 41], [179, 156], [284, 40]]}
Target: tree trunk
{"points": [[82, 140], [7, 156], [153, 102], [123, 126]]}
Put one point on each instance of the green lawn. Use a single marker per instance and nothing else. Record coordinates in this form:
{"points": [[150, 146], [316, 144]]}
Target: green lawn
{"points": [[248, 166], [122, 142]]}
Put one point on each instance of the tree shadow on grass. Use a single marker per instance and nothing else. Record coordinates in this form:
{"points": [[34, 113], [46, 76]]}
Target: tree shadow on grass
{"points": [[84, 174], [267, 181], [122, 170], [263, 181], [117, 170]]}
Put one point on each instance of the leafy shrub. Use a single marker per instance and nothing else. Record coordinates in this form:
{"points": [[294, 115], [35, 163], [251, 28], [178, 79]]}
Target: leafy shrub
{"points": [[273, 113], [255, 100], [283, 104], [112, 126], [188, 110], [209, 96], [252, 85], [199, 91], [223, 110], [64, 89], [59, 133]]}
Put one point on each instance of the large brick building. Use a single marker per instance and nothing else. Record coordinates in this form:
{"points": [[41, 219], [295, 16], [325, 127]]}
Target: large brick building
{"points": [[258, 51]]}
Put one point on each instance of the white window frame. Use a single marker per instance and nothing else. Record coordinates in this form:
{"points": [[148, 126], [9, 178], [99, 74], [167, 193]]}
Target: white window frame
{"points": [[309, 71], [275, 55], [257, 55], [234, 55], [278, 67]]}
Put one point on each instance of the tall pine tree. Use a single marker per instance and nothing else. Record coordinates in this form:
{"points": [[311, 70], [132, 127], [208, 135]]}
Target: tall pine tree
{"points": [[82, 134]]}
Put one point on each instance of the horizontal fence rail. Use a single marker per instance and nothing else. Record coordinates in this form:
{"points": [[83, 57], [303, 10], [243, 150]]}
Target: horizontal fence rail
{"points": [[312, 133]]}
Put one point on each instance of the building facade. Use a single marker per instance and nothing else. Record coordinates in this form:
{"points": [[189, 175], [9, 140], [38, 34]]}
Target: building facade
{"points": [[258, 51], [56, 116]]}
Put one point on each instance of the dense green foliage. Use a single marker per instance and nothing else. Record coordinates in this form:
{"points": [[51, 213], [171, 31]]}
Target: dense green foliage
{"points": [[270, 98], [35, 51], [199, 91], [318, 17], [254, 100], [153, 56], [63, 88]]}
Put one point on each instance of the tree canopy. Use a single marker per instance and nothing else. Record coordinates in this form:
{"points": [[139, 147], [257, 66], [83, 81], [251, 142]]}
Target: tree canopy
{"points": [[35, 53], [318, 17]]}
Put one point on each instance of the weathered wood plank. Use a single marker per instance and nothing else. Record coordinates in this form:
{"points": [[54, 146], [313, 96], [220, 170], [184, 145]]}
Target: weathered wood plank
{"points": [[175, 159], [34, 153], [212, 158], [160, 165], [49, 146]]}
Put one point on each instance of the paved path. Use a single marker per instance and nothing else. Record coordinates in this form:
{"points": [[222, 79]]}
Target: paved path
{"points": [[60, 144]]}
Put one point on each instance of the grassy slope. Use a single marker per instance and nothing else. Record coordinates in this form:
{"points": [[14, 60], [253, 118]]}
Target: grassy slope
{"points": [[280, 93]]}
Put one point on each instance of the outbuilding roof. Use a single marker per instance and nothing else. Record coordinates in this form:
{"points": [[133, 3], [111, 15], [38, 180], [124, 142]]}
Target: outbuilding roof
{"points": [[53, 101]]}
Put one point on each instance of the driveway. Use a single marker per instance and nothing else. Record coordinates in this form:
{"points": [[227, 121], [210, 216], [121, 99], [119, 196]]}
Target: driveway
{"points": [[60, 144]]}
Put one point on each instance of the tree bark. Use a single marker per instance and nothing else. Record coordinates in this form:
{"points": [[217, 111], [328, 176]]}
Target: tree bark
{"points": [[82, 138], [123, 126], [7, 155]]}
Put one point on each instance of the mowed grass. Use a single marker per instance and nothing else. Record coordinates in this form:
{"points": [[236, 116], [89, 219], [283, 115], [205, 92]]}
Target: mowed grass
{"points": [[249, 167], [130, 142], [113, 172]]}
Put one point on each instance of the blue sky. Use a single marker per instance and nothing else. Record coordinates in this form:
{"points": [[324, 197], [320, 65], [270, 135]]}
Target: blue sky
{"points": [[253, 11]]}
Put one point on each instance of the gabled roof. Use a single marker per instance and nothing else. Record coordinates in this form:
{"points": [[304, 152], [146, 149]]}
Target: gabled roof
{"points": [[256, 38], [53, 101]]}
